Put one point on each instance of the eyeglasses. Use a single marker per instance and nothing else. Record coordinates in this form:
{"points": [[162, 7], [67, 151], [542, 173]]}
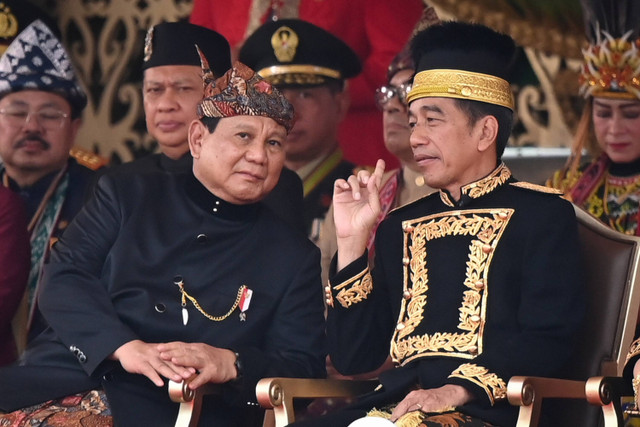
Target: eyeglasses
{"points": [[385, 93], [47, 118]]}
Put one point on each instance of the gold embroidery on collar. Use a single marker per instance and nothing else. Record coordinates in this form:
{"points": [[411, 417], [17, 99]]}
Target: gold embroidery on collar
{"points": [[488, 184], [354, 290], [446, 200], [486, 226], [634, 350], [481, 187], [493, 385]]}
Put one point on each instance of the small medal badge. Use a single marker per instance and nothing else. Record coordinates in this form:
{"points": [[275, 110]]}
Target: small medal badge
{"points": [[245, 300]]}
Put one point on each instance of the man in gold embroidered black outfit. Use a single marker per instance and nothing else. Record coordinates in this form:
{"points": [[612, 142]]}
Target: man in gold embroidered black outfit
{"points": [[472, 284]]}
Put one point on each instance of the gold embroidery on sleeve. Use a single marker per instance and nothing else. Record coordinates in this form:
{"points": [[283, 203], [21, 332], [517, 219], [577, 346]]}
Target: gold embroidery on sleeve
{"points": [[634, 350], [354, 290], [493, 385]]}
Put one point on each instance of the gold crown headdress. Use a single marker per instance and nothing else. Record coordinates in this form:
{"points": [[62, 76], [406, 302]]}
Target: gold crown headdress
{"points": [[611, 67], [612, 59]]}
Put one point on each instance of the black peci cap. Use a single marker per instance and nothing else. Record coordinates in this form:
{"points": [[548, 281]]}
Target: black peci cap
{"points": [[174, 43], [465, 61], [292, 52]]}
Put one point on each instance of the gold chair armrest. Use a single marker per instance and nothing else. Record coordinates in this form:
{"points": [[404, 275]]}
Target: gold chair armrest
{"points": [[278, 393], [607, 393], [528, 393], [190, 401]]}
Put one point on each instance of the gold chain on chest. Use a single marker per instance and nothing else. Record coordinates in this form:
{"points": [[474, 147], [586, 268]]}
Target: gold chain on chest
{"points": [[180, 283]]}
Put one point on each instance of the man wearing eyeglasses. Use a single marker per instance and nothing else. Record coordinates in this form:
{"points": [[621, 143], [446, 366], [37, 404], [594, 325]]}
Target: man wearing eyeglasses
{"points": [[41, 102]]}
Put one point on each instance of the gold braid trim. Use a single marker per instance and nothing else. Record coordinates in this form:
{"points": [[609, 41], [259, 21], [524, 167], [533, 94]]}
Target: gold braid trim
{"points": [[461, 84], [354, 290], [634, 350], [486, 226], [493, 385]]}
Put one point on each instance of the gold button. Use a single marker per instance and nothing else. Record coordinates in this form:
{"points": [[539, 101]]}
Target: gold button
{"points": [[475, 318], [503, 215], [466, 91], [400, 326], [405, 260], [480, 284], [473, 349], [406, 294], [487, 249], [419, 181]]}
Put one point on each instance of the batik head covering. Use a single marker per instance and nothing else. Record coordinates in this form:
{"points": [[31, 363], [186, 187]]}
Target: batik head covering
{"points": [[36, 60], [611, 65], [242, 92]]}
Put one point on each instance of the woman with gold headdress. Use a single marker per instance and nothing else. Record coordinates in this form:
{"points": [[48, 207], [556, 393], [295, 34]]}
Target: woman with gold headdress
{"points": [[609, 186]]}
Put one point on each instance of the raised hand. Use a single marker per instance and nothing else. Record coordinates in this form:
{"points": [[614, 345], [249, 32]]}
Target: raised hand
{"points": [[356, 206]]}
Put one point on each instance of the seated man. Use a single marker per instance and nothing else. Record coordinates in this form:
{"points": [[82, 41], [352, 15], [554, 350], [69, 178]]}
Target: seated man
{"points": [[179, 275], [172, 88], [41, 103], [472, 284]]}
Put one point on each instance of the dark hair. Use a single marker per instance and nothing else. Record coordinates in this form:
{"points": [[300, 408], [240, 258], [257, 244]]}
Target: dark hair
{"points": [[211, 123], [475, 110]]}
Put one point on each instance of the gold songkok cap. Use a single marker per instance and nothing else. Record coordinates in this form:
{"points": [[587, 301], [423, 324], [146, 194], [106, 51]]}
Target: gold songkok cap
{"points": [[463, 61], [463, 85]]}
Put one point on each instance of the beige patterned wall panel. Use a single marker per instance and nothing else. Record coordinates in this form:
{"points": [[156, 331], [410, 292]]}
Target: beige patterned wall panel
{"points": [[105, 39]]}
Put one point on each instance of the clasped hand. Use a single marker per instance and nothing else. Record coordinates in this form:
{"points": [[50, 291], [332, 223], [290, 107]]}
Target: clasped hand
{"points": [[177, 361]]}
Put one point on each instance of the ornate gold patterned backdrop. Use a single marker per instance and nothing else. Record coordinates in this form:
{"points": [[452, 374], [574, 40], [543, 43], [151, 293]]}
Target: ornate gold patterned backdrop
{"points": [[105, 39]]}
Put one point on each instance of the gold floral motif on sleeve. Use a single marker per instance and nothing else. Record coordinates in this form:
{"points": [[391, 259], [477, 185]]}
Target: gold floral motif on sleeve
{"points": [[493, 385], [485, 226], [354, 290], [634, 350]]}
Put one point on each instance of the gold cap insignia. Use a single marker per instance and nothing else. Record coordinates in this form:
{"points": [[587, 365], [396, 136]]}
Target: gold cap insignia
{"points": [[148, 45], [8, 22], [284, 42]]}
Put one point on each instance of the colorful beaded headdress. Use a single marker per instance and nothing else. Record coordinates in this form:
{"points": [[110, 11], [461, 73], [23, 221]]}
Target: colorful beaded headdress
{"points": [[612, 60]]}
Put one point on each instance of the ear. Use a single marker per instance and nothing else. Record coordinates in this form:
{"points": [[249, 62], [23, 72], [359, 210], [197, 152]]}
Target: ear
{"points": [[488, 130], [197, 132]]}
